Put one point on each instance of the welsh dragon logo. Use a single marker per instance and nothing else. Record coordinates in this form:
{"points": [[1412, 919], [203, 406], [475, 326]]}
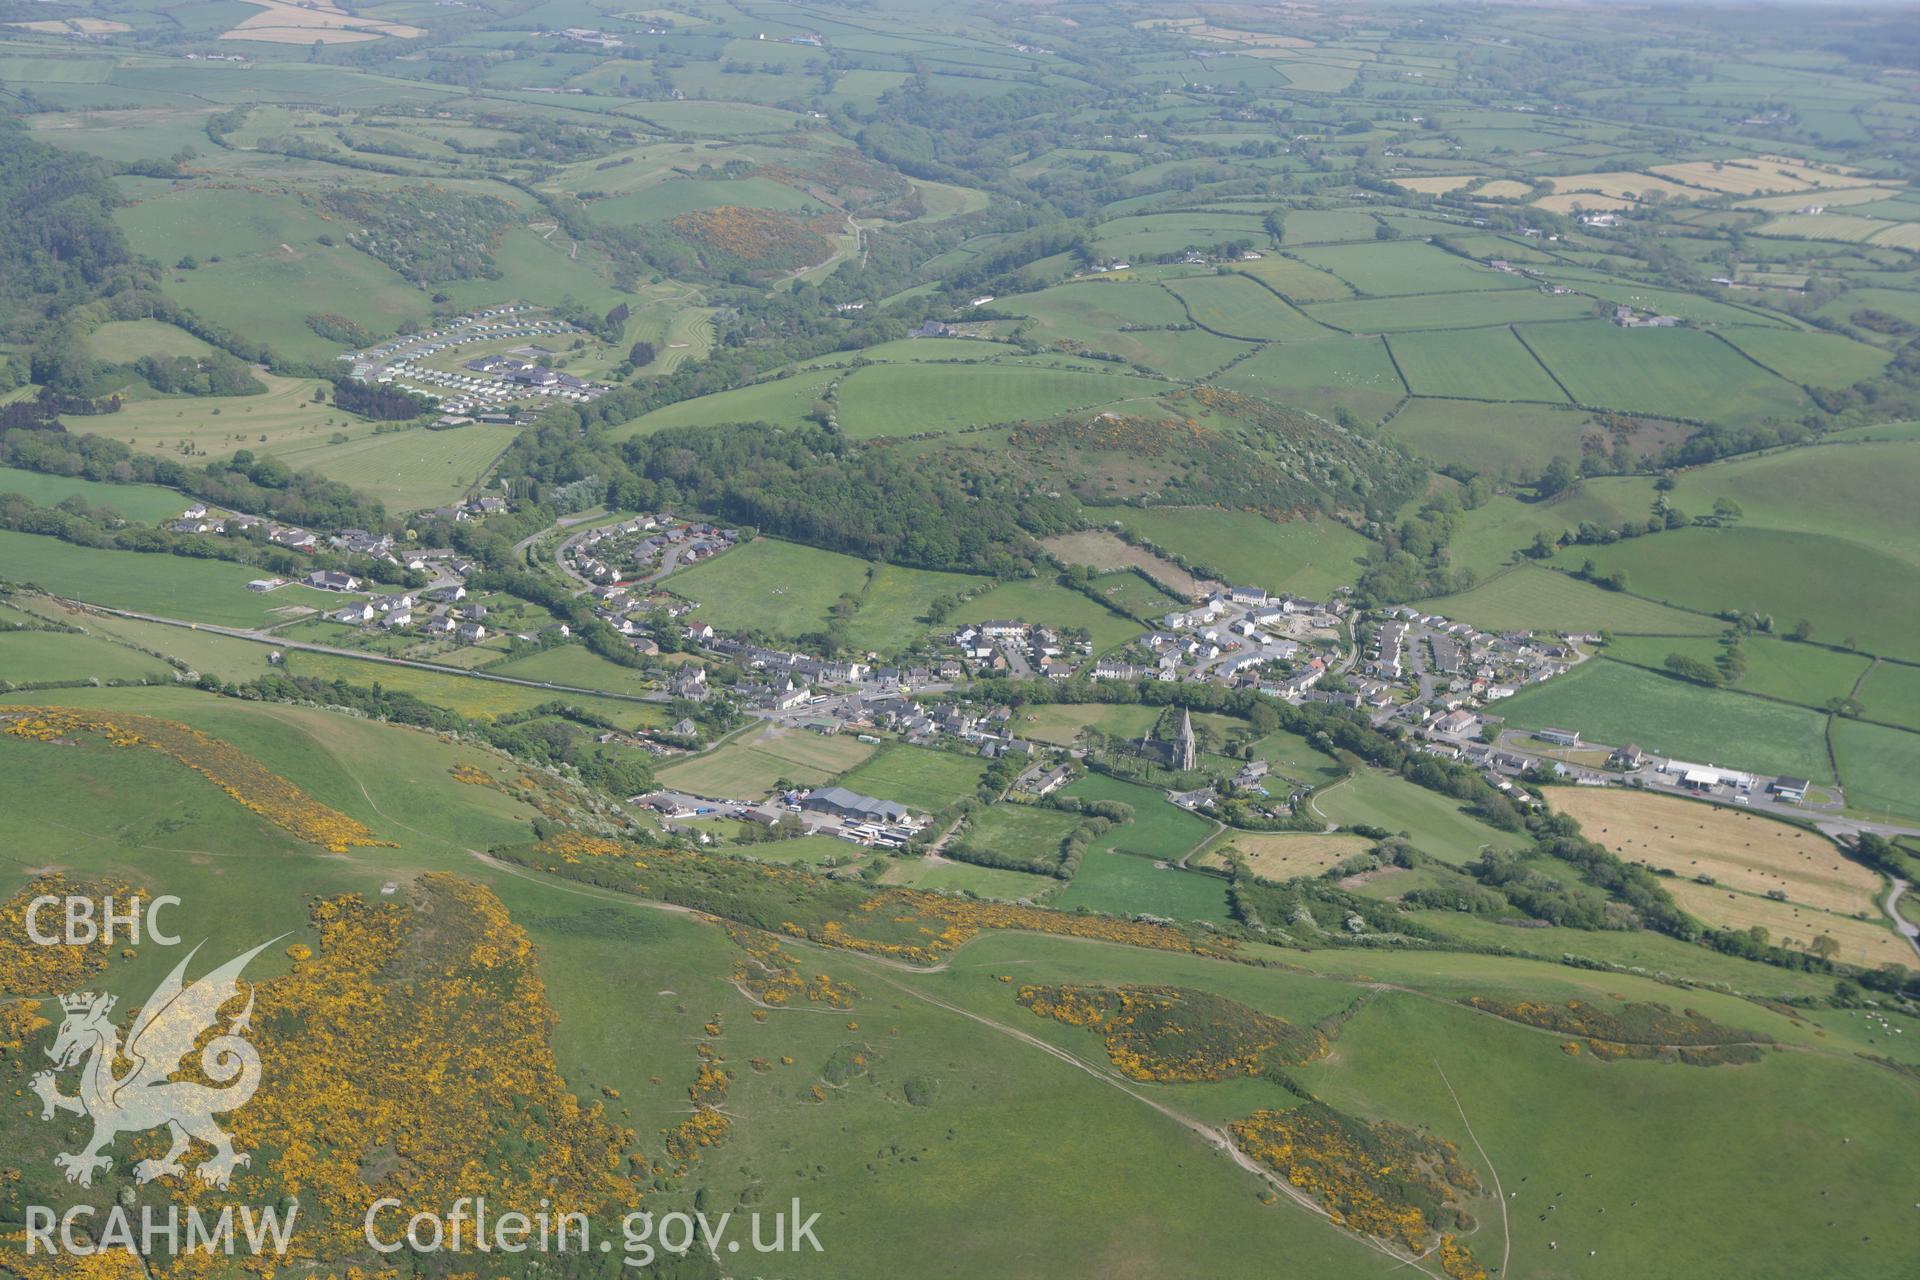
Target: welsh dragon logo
{"points": [[168, 1027]]}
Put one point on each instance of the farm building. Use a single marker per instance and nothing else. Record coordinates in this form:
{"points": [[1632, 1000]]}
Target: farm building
{"points": [[843, 803]]}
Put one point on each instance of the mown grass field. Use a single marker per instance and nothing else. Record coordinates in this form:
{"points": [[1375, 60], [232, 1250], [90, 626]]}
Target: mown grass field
{"points": [[1611, 704], [1304, 557], [284, 416], [1739, 851], [1861, 942]]}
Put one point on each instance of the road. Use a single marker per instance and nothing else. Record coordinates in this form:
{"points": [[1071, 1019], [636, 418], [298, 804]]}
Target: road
{"points": [[278, 642], [1908, 930]]}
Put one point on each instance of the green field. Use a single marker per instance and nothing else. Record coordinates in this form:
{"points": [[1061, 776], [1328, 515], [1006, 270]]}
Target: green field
{"points": [[1040, 601], [1854, 597], [468, 695], [1859, 492], [138, 503], [1814, 359], [1093, 315], [1295, 280], [407, 470], [918, 777], [1877, 768], [1020, 830], [1435, 824], [1891, 692], [1531, 597], [783, 402], [34, 657], [1240, 308], [1675, 373], [1304, 557], [1490, 535], [1126, 871], [1060, 723], [1405, 266], [750, 765], [904, 400], [1355, 374], [1511, 440], [124, 341], [1802, 673], [1450, 311], [785, 589], [1476, 364], [148, 582], [574, 664], [1611, 703]]}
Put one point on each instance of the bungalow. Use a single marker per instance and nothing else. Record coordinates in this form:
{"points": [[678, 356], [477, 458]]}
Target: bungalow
{"points": [[333, 580], [1457, 724]]}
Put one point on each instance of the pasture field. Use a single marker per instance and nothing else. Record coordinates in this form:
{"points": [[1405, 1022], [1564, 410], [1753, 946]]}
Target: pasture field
{"points": [[917, 777], [1317, 226], [1060, 723], [228, 657], [467, 695], [124, 341], [1891, 692], [150, 582], [1292, 758], [1284, 855], [1159, 234], [1490, 535], [1405, 266], [138, 503], [1241, 308], [1877, 767], [1093, 315], [750, 766], [1477, 364], [1802, 673], [1100, 549], [573, 664], [1354, 374], [785, 589], [783, 402], [1610, 703], [1127, 592], [1499, 439], [1434, 823], [1304, 557], [1860, 493], [1789, 924], [35, 657], [1854, 597], [1450, 310], [1022, 830], [1296, 281], [904, 400], [1738, 850], [1040, 600], [949, 876], [285, 416], [1676, 373], [407, 470], [1812, 359], [1533, 598]]}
